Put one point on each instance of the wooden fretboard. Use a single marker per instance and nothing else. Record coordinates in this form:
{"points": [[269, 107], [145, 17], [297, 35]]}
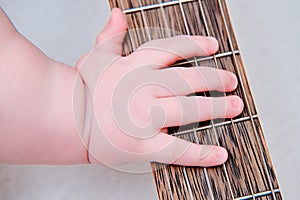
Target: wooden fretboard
{"points": [[248, 173]]}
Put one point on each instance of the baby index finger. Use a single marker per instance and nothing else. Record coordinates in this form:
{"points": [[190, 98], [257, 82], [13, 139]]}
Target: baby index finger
{"points": [[164, 52]]}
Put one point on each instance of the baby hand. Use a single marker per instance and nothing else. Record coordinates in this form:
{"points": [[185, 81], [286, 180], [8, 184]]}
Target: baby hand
{"points": [[135, 98]]}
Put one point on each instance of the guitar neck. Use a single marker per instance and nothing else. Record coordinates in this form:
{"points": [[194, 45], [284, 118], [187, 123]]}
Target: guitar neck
{"points": [[248, 173]]}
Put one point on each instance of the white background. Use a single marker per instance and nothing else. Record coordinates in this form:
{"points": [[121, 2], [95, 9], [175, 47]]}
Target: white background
{"points": [[269, 37]]}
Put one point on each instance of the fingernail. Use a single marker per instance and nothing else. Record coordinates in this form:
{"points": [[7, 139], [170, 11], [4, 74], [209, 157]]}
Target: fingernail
{"points": [[234, 81], [222, 154], [236, 103], [212, 39]]}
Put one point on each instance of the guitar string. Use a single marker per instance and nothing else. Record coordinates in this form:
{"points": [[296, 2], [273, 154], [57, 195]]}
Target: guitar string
{"points": [[162, 11], [259, 195], [204, 169], [146, 26], [184, 168], [186, 179], [201, 128], [149, 37], [213, 124], [168, 35], [195, 135], [247, 101], [133, 45], [164, 19], [219, 55], [168, 182], [129, 31], [233, 125], [165, 167], [231, 122]]}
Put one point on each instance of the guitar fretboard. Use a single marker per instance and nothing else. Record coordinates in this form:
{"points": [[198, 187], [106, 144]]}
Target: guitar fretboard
{"points": [[248, 173]]}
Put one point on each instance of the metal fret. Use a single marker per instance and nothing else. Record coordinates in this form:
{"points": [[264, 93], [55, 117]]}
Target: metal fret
{"points": [[261, 194], [247, 101], [219, 55], [242, 119], [152, 6]]}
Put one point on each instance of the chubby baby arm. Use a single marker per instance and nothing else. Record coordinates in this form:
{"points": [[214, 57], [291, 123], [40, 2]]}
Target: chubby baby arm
{"points": [[36, 104]]}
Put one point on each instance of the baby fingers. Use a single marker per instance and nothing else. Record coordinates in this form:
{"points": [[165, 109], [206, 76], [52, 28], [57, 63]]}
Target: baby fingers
{"points": [[194, 79], [185, 110], [164, 52], [174, 150]]}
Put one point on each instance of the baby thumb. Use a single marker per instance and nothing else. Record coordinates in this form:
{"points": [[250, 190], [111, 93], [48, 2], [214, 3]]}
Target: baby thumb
{"points": [[113, 33]]}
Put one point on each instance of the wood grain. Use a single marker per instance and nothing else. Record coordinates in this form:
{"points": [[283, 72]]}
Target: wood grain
{"points": [[248, 173]]}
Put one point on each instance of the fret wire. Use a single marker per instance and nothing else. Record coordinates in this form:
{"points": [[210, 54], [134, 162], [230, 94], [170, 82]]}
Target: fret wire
{"points": [[196, 63], [247, 101], [219, 55], [235, 131], [152, 6], [204, 169], [216, 125], [260, 194]]}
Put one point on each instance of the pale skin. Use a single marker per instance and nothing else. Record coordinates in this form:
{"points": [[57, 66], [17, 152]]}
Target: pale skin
{"points": [[133, 100]]}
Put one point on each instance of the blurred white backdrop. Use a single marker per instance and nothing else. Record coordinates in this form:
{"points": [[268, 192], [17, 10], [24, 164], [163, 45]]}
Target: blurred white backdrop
{"points": [[269, 36]]}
